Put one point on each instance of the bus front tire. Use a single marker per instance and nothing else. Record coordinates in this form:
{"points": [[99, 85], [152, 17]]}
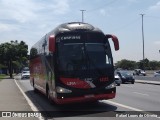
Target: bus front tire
{"points": [[48, 95], [34, 88]]}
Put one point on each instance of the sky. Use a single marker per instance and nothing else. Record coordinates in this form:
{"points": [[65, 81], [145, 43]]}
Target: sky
{"points": [[30, 20]]}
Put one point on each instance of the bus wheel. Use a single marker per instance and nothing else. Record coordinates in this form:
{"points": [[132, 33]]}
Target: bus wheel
{"points": [[34, 89], [48, 94]]}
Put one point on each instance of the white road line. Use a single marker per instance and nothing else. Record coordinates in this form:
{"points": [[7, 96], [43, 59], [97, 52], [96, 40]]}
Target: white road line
{"points": [[128, 107], [33, 107], [141, 93]]}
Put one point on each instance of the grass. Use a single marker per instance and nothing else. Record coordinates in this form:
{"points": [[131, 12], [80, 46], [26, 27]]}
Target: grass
{"points": [[2, 76]]}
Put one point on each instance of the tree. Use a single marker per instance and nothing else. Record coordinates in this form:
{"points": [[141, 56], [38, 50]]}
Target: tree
{"points": [[154, 65], [143, 64], [33, 53], [126, 64], [13, 55], [148, 65]]}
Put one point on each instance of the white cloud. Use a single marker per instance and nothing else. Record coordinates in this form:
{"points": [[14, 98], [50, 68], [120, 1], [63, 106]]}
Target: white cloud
{"points": [[155, 7], [61, 6], [19, 10], [106, 12], [102, 12], [157, 42], [27, 10], [7, 27], [27, 16], [29, 20]]}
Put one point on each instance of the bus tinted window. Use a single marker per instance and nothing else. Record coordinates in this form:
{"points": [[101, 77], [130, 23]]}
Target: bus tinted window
{"points": [[77, 54]]}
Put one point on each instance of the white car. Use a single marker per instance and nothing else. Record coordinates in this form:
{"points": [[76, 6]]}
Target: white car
{"points": [[157, 74], [118, 80], [139, 72], [25, 75]]}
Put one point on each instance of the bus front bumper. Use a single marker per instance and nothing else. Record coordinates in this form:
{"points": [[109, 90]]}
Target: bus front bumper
{"points": [[85, 98]]}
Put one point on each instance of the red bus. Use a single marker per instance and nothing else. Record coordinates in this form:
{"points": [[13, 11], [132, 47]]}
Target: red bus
{"points": [[73, 63]]}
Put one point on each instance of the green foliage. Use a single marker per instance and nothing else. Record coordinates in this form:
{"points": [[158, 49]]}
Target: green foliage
{"points": [[154, 65], [146, 64], [2, 76], [126, 64], [2, 66], [13, 55], [33, 53]]}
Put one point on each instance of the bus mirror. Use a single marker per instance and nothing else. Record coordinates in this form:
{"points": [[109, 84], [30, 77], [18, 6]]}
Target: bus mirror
{"points": [[52, 44], [115, 41]]}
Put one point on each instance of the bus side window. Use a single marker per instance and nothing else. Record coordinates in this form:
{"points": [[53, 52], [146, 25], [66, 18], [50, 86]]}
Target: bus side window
{"points": [[108, 60]]}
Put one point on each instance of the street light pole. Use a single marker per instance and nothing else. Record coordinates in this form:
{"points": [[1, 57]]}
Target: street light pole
{"points": [[143, 41], [82, 15]]}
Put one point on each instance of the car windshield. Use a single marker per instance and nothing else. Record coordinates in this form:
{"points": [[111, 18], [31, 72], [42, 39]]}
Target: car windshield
{"points": [[25, 72], [125, 73]]}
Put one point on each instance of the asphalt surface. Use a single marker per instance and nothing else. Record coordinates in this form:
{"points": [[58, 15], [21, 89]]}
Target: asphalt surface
{"points": [[148, 78], [145, 97], [132, 98], [11, 99]]}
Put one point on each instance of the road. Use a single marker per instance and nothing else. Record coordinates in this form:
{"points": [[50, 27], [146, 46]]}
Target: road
{"points": [[137, 97], [147, 78], [142, 96]]}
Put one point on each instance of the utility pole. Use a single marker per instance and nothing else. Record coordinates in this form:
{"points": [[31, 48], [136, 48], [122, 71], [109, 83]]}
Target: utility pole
{"points": [[143, 41], [82, 15]]}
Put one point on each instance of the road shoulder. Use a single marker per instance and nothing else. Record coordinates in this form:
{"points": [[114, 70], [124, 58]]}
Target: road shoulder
{"points": [[12, 100], [148, 82]]}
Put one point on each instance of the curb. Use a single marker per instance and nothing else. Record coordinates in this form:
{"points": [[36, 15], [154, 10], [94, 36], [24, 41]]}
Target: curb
{"points": [[147, 82]]}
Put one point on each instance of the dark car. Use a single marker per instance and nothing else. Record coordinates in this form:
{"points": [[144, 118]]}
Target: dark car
{"points": [[126, 76], [156, 74]]}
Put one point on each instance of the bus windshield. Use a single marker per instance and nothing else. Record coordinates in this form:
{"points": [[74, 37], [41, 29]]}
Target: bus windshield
{"points": [[77, 59]]}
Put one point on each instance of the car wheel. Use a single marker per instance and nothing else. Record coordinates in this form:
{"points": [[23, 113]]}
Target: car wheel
{"points": [[118, 84]]}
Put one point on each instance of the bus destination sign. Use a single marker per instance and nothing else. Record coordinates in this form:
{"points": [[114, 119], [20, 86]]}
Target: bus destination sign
{"points": [[68, 37]]}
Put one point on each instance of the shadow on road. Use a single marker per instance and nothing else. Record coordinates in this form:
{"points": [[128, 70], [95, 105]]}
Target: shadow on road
{"points": [[49, 110]]}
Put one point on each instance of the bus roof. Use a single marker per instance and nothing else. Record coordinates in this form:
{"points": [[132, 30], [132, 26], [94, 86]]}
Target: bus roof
{"points": [[69, 27], [74, 27]]}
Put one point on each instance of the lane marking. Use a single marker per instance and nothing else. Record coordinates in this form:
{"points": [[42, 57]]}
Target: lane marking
{"points": [[141, 93], [33, 107], [128, 107]]}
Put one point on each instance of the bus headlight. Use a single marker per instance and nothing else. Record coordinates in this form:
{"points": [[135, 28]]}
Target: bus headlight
{"points": [[62, 90], [112, 85]]}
